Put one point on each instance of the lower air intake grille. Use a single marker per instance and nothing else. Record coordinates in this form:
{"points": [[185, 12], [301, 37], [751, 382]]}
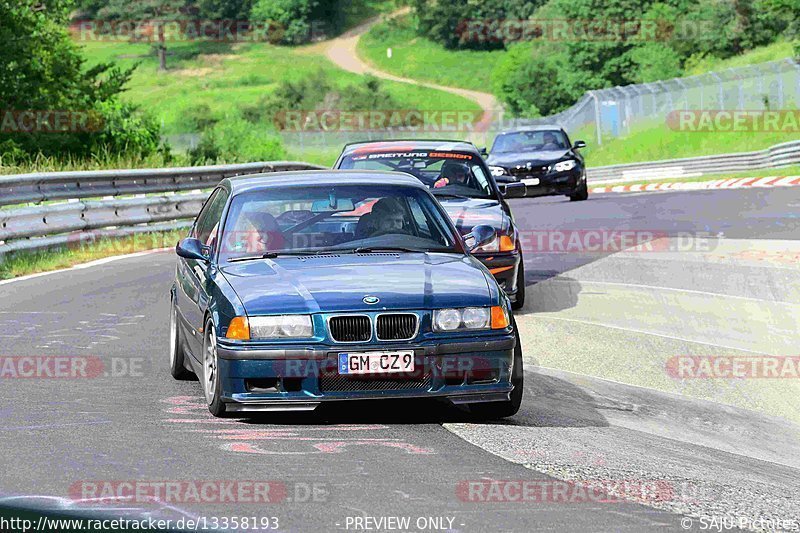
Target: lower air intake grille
{"points": [[356, 328], [396, 327], [525, 172], [353, 384]]}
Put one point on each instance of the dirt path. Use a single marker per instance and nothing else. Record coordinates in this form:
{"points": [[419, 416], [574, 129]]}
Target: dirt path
{"points": [[342, 51]]}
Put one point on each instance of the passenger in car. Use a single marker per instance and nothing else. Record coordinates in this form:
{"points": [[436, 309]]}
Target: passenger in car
{"points": [[259, 232], [453, 173]]}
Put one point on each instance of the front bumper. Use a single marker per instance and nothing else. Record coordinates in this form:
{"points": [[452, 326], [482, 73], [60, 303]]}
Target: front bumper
{"points": [[295, 378], [503, 266], [559, 183]]}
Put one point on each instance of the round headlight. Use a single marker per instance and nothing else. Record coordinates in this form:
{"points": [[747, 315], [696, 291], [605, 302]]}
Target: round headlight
{"points": [[264, 327], [296, 326], [447, 319], [476, 317], [281, 326]]}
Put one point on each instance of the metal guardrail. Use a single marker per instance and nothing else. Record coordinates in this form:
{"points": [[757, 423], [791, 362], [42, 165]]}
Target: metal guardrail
{"points": [[39, 187], [780, 155], [84, 215]]}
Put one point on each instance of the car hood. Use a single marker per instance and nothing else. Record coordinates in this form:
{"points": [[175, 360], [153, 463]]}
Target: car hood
{"points": [[522, 158], [469, 212], [335, 283]]}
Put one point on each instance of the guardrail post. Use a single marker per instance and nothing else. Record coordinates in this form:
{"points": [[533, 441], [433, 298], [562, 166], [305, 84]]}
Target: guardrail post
{"points": [[796, 66], [683, 92], [778, 75], [721, 102], [740, 84], [597, 117]]}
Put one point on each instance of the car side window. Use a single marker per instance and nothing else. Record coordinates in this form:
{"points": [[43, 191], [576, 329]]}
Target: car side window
{"points": [[207, 225], [422, 220], [477, 171]]}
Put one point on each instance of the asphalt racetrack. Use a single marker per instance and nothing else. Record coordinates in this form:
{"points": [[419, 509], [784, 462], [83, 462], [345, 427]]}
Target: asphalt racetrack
{"points": [[599, 328]]}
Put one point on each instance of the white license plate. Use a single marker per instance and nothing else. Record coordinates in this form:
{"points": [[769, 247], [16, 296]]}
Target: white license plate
{"points": [[531, 181], [376, 362]]}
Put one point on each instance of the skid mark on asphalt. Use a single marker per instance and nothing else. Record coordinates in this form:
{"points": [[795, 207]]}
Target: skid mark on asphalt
{"points": [[309, 439], [104, 329]]}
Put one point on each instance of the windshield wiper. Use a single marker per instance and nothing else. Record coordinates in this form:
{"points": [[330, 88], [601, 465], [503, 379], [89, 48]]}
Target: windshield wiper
{"points": [[272, 255], [371, 249]]}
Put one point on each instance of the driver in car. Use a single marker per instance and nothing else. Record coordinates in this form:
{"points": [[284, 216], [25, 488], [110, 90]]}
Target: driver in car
{"points": [[550, 142], [388, 216], [453, 173]]}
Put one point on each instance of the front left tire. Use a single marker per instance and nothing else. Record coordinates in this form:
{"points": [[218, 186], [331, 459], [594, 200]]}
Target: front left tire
{"points": [[177, 357], [581, 192], [212, 387], [519, 297], [496, 410]]}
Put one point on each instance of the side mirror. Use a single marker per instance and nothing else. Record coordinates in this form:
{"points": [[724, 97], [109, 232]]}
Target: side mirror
{"points": [[192, 249], [579, 144], [479, 236], [513, 190], [484, 152]]}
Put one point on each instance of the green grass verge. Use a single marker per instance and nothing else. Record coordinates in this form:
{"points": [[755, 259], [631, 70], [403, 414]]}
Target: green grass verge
{"points": [[422, 59], [98, 162], [224, 76], [772, 52], [658, 142], [23, 263]]}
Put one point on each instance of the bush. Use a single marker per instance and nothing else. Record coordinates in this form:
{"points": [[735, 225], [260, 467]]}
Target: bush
{"points": [[42, 71], [299, 19], [199, 117], [126, 131], [653, 62], [234, 140], [315, 92]]}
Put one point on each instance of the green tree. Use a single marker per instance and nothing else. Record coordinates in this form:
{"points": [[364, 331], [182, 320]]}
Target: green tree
{"points": [[224, 9], [297, 18], [158, 12], [449, 22], [41, 69]]}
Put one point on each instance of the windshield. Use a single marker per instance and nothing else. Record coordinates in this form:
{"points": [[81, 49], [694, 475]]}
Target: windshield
{"points": [[445, 173], [530, 141], [341, 218]]}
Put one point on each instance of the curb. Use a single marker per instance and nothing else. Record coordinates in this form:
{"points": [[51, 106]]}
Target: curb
{"points": [[734, 183]]}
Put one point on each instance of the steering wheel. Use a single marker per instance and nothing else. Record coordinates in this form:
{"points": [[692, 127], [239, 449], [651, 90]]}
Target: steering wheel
{"points": [[401, 231]]}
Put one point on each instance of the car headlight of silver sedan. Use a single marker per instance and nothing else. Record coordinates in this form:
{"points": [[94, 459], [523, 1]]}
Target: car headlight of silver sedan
{"points": [[271, 327], [497, 171], [563, 166], [281, 326], [470, 318]]}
